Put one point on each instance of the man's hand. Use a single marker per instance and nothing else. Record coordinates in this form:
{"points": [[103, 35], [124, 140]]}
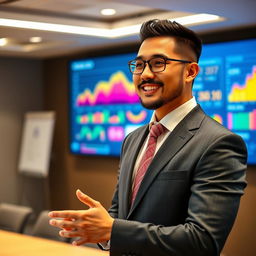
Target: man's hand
{"points": [[92, 226]]}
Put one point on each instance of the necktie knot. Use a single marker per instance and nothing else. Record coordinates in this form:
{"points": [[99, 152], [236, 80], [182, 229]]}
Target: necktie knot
{"points": [[156, 130]]}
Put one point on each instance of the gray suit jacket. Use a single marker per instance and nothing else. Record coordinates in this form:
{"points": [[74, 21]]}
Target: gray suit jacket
{"points": [[189, 197]]}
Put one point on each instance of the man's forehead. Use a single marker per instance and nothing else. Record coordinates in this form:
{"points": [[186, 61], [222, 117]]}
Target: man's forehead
{"points": [[158, 55], [156, 46], [159, 41]]}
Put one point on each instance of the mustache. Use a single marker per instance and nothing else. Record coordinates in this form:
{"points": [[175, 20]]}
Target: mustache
{"points": [[150, 81]]}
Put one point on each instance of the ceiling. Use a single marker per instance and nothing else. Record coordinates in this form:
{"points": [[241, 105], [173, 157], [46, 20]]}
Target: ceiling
{"points": [[85, 13]]}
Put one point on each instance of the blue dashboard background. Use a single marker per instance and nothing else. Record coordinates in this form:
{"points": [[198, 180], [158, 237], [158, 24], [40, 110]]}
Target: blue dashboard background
{"points": [[225, 88]]}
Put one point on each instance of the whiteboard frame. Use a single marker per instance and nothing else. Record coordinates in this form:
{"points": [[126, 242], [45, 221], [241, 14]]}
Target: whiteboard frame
{"points": [[36, 143]]}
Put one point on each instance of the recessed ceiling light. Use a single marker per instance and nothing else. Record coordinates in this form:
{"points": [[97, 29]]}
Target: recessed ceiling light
{"points": [[197, 19], [108, 12], [3, 41], [35, 39], [103, 32]]}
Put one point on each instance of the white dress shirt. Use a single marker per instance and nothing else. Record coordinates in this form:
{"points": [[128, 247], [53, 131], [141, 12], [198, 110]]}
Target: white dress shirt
{"points": [[170, 121]]}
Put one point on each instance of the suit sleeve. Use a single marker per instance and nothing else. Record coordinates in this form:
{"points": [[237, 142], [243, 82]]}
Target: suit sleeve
{"points": [[217, 185], [113, 210]]}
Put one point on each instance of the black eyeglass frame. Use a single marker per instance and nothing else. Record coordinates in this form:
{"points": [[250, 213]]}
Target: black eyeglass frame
{"points": [[147, 61]]}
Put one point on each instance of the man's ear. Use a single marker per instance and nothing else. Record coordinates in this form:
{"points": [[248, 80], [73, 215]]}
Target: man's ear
{"points": [[192, 71]]}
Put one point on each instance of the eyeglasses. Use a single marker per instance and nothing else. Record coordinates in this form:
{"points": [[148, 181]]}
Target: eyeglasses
{"points": [[156, 64]]}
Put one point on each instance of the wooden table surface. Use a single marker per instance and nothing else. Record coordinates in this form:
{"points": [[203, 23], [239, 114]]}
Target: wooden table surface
{"points": [[13, 244]]}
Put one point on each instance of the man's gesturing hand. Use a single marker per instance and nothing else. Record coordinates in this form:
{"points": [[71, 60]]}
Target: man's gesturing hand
{"points": [[92, 226]]}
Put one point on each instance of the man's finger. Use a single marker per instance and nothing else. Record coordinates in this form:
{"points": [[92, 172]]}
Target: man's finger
{"points": [[68, 219], [67, 225], [63, 214], [86, 199], [70, 234], [79, 241]]}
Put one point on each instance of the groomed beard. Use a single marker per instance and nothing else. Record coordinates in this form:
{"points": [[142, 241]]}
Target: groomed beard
{"points": [[161, 101], [153, 105]]}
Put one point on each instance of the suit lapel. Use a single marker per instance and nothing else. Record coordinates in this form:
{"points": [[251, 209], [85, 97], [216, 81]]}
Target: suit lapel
{"points": [[175, 141], [129, 161]]}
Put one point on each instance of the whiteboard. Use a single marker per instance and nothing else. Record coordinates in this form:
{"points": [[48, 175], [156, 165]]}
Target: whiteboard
{"points": [[36, 143]]}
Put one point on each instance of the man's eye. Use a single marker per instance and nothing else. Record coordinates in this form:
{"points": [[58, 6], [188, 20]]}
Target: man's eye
{"points": [[158, 63], [139, 64]]}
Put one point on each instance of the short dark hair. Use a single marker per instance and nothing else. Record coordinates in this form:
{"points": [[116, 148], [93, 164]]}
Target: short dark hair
{"points": [[155, 28]]}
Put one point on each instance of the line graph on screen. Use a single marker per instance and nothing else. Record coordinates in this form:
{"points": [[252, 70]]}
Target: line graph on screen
{"points": [[118, 89]]}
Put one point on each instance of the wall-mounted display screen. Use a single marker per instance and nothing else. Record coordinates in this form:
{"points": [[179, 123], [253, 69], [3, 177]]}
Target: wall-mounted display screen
{"points": [[226, 88], [104, 107]]}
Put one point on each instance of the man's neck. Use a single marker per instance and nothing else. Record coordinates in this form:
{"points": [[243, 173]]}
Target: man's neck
{"points": [[169, 107]]}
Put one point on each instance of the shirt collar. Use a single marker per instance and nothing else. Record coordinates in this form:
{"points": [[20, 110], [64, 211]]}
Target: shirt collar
{"points": [[171, 120]]}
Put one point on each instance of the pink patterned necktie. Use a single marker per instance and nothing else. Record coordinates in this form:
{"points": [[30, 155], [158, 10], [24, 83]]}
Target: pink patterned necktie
{"points": [[155, 131]]}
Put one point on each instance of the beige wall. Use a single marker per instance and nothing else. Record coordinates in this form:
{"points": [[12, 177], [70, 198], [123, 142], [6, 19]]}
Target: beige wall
{"points": [[20, 91], [97, 175]]}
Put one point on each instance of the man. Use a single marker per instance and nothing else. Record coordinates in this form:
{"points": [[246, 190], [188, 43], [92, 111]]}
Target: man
{"points": [[178, 191]]}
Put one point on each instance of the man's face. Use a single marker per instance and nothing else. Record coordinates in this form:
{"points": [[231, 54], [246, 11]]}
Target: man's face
{"points": [[166, 90]]}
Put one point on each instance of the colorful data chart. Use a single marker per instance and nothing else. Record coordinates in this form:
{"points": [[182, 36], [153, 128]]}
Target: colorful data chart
{"points": [[106, 117], [117, 90], [217, 118], [101, 117], [90, 134], [136, 118], [101, 134], [116, 133], [245, 92], [242, 121]]}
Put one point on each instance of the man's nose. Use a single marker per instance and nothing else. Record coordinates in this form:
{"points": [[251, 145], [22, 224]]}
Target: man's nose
{"points": [[147, 73]]}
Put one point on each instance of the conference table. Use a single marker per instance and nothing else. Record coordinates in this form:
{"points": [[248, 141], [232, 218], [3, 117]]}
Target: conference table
{"points": [[14, 244]]}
